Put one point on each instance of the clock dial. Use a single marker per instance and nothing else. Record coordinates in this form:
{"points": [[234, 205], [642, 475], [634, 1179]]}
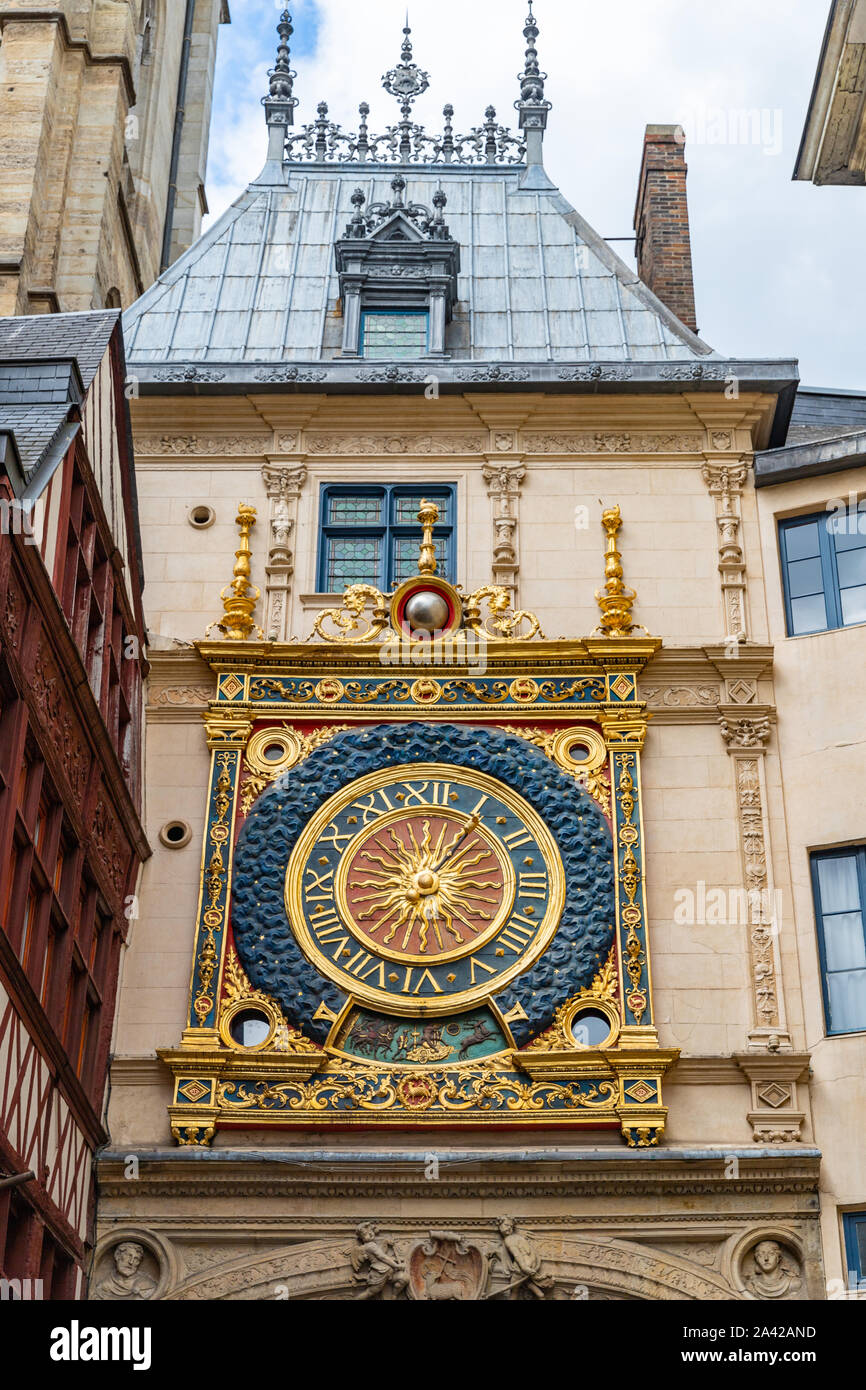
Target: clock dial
{"points": [[427, 886], [424, 888]]}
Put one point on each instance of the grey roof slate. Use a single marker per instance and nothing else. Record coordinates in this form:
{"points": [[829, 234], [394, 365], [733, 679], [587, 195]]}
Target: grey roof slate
{"points": [[825, 414], [537, 285], [47, 364], [49, 337]]}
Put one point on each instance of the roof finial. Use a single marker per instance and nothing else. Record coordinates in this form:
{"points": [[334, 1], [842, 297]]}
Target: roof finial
{"points": [[281, 101], [406, 81], [533, 106]]}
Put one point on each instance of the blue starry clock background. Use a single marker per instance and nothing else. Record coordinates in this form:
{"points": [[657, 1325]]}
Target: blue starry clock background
{"points": [[266, 943]]}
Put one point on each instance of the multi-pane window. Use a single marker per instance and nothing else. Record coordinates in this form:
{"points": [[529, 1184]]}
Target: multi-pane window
{"points": [[855, 1249], [386, 335], [372, 536], [824, 571], [839, 878]]}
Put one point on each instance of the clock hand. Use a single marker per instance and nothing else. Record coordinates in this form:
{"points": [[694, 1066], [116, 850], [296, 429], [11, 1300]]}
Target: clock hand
{"points": [[474, 822]]}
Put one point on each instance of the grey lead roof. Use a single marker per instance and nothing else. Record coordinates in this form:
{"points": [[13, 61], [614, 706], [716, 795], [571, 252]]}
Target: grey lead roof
{"points": [[537, 284]]}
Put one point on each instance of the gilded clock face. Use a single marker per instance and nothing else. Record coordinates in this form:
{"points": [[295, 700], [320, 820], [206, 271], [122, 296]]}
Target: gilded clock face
{"points": [[424, 888]]}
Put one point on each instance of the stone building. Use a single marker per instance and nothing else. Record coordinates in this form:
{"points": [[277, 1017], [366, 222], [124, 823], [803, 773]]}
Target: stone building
{"points": [[493, 510], [71, 840], [833, 147], [104, 124]]}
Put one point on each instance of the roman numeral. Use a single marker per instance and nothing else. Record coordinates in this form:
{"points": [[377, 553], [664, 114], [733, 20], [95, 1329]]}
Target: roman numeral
{"points": [[333, 837], [517, 937], [407, 983], [516, 1015], [517, 839], [324, 892], [533, 886], [369, 809], [417, 793], [358, 966], [479, 965]]}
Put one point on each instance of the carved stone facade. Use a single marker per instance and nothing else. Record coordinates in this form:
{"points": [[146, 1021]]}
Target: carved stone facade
{"points": [[576, 1231], [503, 483], [283, 487], [725, 482], [89, 97]]}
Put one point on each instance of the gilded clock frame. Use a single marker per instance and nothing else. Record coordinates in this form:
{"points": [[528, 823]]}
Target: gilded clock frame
{"points": [[456, 1003], [555, 694]]}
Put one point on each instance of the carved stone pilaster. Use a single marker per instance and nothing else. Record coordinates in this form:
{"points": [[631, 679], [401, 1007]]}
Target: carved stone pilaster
{"points": [[504, 481], [725, 482], [776, 1116], [746, 739], [284, 486]]}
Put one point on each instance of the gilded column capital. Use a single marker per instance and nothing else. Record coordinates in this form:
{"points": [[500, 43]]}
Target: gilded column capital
{"points": [[625, 730], [228, 730]]}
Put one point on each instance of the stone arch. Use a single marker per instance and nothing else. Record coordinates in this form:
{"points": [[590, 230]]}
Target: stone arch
{"points": [[609, 1269]]}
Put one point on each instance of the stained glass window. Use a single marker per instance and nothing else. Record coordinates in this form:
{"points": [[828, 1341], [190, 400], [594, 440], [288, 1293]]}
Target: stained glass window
{"points": [[388, 336], [372, 535]]}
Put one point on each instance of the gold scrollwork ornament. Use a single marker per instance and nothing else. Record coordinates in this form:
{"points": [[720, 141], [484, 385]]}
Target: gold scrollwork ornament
{"points": [[501, 624]]}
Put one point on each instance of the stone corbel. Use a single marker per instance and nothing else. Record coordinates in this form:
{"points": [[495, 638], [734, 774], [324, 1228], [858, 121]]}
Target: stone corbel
{"points": [[776, 1116], [504, 481], [746, 737], [725, 482], [284, 485]]}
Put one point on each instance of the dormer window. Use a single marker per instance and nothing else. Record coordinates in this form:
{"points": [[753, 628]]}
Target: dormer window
{"points": [[386, 336], [398, 265]]}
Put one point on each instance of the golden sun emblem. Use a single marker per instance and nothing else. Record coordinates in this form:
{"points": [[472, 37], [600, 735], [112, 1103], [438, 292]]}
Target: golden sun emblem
{"points": [[422, 887]]}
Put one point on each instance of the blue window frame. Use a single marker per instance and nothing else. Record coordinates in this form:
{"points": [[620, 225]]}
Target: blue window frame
{"points": [[824, 570], [854, 1224], [371, 535], [387, 334], [839, 885]]}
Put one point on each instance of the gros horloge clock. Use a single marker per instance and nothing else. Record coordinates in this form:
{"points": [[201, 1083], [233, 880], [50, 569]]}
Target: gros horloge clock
{"points": [[451, 877]]}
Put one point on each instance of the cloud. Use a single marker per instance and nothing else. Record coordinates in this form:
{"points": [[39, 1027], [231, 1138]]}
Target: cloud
{"points": [[777, 264]]}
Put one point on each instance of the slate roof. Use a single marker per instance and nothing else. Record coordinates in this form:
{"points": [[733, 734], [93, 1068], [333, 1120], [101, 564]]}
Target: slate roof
{"points": [[537, 284], [47, 364], [48, 337], [826, 414]]}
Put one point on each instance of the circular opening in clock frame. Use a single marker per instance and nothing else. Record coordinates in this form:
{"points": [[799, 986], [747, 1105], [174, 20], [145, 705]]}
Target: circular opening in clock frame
{"points": [[201, 517], [250, 1028], [273, 753], [175, 835], [591, 1028]]}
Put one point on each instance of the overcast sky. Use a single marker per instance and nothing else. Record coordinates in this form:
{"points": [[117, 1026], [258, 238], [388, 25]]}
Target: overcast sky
{"points": [[779, 266]]}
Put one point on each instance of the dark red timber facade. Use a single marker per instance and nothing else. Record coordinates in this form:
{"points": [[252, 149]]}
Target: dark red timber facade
{"points": [[71, 841]]}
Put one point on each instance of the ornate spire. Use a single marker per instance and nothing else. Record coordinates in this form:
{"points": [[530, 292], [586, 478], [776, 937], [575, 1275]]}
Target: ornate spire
{"points": [[241, 596], [428, 517], [616, 600], [280, 102], [533, 106]]}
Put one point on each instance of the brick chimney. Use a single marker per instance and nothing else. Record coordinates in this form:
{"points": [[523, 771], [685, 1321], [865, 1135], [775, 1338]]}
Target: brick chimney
{"points": [[661, 220]]}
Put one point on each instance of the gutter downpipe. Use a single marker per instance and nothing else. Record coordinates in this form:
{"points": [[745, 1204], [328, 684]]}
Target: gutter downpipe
{"points": [[180, 111]]}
